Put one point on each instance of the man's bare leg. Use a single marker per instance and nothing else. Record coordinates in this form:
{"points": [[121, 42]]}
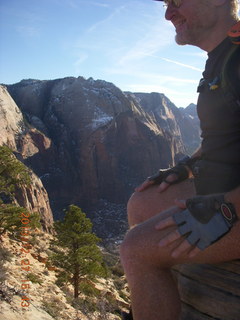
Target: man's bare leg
{"points": [[143, 205], [154, 294]]}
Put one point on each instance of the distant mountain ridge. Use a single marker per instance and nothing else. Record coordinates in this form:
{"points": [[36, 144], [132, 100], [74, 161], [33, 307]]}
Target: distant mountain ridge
{"points": [[181, 123], [90, 142]]}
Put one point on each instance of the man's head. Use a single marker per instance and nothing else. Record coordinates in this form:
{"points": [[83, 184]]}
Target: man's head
{"points": [[203, 23], [233, 3], [174, 2]]}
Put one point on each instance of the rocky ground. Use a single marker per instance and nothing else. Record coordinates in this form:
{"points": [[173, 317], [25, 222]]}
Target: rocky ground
{"points": [[30, 292]]}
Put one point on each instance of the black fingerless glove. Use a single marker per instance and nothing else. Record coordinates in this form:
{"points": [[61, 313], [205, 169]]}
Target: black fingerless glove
{"points": [[206, 219], [180, 170]]}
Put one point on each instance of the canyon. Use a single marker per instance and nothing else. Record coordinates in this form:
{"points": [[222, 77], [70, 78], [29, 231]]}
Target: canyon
{"points": [[90, 144]]}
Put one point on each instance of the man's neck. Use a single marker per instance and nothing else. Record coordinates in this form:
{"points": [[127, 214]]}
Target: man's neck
{"points": [[217, 36]]}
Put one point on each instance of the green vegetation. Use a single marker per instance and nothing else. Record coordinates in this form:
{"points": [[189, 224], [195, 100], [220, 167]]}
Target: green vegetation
{"points": [[53, 306], [75, 253], [11, 218], [13, 173], [88, 289], [82, 258], [34, 278]]}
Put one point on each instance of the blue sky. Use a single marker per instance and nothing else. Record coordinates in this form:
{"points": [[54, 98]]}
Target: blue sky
{"points": [[126, 42]]}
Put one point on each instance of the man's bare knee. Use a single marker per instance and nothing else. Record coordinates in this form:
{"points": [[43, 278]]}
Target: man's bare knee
{"points": [[135, 209], [140, 248], [146, 204]]}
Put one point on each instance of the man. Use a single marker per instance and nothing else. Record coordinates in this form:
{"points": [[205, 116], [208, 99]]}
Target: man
{"points": [[195, 229]]}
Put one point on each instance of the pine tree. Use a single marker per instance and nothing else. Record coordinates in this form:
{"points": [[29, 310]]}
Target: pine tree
{"points": [[13, 173], [14, 218], [82, 258]]}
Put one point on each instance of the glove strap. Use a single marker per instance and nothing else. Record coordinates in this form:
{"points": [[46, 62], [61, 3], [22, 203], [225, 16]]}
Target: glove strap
{"points": [[203, 208], [228, 211]]}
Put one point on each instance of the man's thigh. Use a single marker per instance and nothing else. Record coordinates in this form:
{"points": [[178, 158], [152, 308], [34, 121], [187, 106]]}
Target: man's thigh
{"points": [[142, 241], [144, 205]]}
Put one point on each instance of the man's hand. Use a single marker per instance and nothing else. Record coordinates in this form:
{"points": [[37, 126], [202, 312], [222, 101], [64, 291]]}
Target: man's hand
{"points": [[185, 246], [204, 221], [167, 177], [162, 186]]}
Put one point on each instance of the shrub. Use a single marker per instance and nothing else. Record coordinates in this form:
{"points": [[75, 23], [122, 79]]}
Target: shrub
{"points": [[34, 278]]}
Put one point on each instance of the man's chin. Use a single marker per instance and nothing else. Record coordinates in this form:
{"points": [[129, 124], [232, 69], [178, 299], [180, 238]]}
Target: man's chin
{"points": [[180, 41]]}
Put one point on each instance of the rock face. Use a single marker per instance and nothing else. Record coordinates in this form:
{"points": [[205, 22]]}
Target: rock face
{"points": [[190, 128], [11, 120], [182, 124], [35, 198], [13, 131], [89, 141]]}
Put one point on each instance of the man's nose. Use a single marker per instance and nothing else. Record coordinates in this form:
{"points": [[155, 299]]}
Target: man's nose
{"points": [[170, 11]]}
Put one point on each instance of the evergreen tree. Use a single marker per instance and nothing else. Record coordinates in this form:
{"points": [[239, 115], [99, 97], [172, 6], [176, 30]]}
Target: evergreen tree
{"points": [[14, 218], [82, 258], [13, 173]]}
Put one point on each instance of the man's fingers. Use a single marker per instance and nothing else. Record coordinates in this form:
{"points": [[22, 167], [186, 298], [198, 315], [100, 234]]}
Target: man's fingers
{"points": [[183, 247], [194, 252], [180, 203], [163, 186], [168, 222], [171, 237], [167, 182], [144, 186]]}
